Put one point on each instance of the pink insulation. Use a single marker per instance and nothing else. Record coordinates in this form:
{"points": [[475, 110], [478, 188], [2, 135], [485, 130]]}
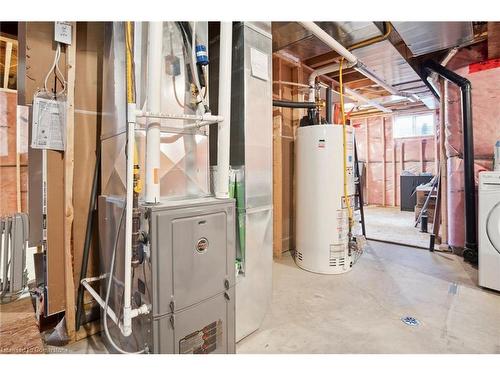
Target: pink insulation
{"points": [[373, 152], [486, 122]]}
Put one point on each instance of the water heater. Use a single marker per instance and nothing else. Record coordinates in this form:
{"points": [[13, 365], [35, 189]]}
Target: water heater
{"points": [[322, 243]]}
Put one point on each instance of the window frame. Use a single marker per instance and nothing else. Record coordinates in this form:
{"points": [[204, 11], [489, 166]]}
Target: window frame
{"points": [[414, 125]]}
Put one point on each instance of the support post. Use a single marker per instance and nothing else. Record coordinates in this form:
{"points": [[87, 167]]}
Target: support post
{"points": [[384, 176], [278, 175], [68, 187]]}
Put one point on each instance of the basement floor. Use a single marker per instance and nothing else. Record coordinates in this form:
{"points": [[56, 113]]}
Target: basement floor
{"points": [[361, 311], [402, 224]]}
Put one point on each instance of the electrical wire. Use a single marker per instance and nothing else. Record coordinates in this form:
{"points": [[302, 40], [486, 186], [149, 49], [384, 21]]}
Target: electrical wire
{"points": [[57, 72]]}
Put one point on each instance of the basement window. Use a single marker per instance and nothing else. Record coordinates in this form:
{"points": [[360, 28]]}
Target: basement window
{"points": [[420, 125]]}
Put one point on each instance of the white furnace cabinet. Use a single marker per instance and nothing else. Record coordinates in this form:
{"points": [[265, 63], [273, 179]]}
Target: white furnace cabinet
{"points": [[321, 216]]}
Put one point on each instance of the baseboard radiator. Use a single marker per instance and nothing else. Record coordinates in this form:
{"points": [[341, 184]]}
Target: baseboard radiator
{"points": [[14, 231]]}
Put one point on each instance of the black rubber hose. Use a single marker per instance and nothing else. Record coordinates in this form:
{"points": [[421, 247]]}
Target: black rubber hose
{"points": [[290, 104]]}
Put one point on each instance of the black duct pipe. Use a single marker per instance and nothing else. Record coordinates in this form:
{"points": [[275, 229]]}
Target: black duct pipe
{"points": [[329, 112], [290, 104], [88, 239], [470, 250]]}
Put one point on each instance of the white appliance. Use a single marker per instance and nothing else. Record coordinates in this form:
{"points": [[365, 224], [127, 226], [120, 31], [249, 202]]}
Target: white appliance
{"points": [[489, 230], [322, 217]]}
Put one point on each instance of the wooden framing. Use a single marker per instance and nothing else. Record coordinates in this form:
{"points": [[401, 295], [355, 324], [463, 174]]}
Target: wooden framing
{"points": [[68, 188], [395, 174], [278, 175], [6, 71], [443, 165], [367, 159], [421, 155], [384, 176]]}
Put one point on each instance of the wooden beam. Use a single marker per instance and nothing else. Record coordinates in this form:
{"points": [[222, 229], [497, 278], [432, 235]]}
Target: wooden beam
{"points": [[6, 71], [68, 188], [278, 174], [297, 76], [421, 152], [395, 174], [323, 59], [18, 165], [443, 163], [361, 83], [402, 156], [367, 161], [384, 176]]}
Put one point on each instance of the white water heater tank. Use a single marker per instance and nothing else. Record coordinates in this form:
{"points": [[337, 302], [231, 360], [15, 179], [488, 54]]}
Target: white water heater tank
{"points": [[321, 213]]}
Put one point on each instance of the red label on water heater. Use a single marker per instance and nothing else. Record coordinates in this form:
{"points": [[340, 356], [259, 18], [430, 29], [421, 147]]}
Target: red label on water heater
{"points": [[321, 143]]}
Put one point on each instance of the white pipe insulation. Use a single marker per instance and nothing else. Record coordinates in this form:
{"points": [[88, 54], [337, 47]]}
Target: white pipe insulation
{"points": [[329, 41], [155, 43], [224, 129], [352, 61]]}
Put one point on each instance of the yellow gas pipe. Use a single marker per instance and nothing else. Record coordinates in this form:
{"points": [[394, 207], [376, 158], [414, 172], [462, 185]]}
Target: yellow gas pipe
{"points": [[344, 142]]}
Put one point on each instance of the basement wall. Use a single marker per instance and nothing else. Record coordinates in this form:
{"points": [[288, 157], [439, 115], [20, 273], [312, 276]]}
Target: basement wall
{"points": [[36, 49], [384, 158], [13, 172], [484, 75]]}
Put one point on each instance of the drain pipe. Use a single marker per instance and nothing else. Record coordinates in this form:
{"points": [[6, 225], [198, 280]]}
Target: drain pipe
{"points": [[329, 105], [470, 251], [155, 43], [224, 129]]}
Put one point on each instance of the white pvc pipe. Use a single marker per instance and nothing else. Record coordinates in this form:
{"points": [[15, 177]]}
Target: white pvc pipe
{"points": [[155, 43], [361, 98], [331, 42], [171, 116], [127, 293], [224, 133], [141, 310], [100, 301], [352, 62]]}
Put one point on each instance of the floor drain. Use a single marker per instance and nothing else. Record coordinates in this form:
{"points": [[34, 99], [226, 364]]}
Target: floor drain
{"points": [[410, 320]]}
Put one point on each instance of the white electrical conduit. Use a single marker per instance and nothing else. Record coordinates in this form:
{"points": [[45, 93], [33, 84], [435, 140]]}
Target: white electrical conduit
{"points": [[155, 43], [224, 134]]}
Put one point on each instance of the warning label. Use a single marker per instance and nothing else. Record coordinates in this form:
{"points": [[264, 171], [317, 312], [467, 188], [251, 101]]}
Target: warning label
{"points": [[204, 341]]}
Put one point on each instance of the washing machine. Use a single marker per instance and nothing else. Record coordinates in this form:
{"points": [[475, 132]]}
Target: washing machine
{"points": [[489, 230]]}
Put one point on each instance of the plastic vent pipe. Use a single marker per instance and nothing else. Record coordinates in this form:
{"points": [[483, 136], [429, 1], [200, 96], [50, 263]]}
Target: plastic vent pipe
{"points": [[155, 43], [224, 130], [470, 251]]}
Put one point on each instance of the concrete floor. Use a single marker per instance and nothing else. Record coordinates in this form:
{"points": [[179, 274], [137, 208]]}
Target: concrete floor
{"points": [[402, 224], [360, 312]]}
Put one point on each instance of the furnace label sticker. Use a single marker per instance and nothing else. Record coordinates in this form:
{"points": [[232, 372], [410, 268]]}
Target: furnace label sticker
{"points": [[204, 341]]}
